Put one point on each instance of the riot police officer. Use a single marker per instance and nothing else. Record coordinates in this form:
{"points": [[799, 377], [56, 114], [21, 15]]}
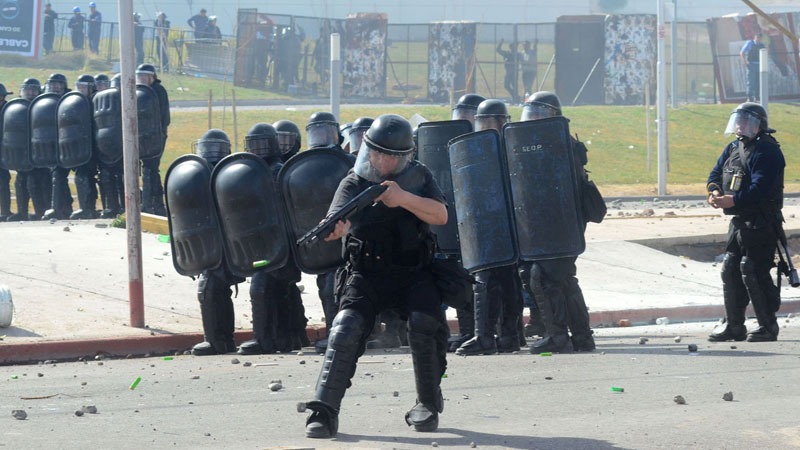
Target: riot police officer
{"points": [[497, 292], [561, 301], [24, 181], [356, 133], [388, 249], [289, 139], [5, 175], [101, 82], [108, 132], [322, 131], [747, 183], [214, 286], [269, 291], [86, 174], [57, 84], [466, 107], [152, 190]]}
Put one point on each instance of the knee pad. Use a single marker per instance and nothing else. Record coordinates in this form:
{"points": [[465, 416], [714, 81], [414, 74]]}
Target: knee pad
{"points": [[730, 267], [748, 269], [346, 330]]}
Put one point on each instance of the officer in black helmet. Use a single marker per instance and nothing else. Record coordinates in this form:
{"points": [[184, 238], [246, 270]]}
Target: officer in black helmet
{"points": [[101, 82], [24, 181], [356, 133], [152, 189], [322, 131], [60, 196], [388, 248], [57, 84], [214, 286], [562, 307], [289, 139], [86, 175], [466, 107], [747, 183], [270, 291], [497, 293], [5, 176]]}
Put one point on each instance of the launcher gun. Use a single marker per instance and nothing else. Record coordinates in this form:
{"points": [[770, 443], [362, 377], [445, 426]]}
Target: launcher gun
{"points": [[358, 203]]}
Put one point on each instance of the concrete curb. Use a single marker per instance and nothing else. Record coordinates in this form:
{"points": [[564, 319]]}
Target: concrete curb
{"points": [[170, 343]]}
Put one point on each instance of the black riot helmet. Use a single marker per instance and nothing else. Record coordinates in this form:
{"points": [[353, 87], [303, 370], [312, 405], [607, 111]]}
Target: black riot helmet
{"points": [[387, 149], [213, 146], [356, 133], [31, 87], [3, 91], [56, 83], [146, 74], [541, 105], [116, 80], [491, 115], [85, 85], [747, 120], [322, 130], [466, 106], [262, 140], [289, 139], [101, 82]]}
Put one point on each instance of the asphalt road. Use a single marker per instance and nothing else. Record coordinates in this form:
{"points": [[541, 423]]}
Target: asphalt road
{"points": [[516, 401]]}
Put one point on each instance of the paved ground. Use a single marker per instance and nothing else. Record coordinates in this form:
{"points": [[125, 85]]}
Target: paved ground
{"points": [[69, 281]]}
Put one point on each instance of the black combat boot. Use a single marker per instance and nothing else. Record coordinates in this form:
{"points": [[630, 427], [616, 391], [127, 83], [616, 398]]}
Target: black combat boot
{"points": [[217, 318], [40, 191], [535, 326], [265, 327], [578, 318], [552, 305], [23, 197], [762, 292], [734, 293], [429, 366], [61, 197], [109, 194], [86, 202], [466, 328], [338, 367], [5, 195], [483, 343]]}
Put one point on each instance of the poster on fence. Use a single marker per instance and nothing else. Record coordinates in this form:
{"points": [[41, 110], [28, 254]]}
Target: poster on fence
{"points": [[451, 59], [630, 58], [20, 26], [364, 55], [729, 34]]}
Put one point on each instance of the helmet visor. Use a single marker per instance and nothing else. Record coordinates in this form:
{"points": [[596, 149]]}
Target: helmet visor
{"points": [[322, 134], [487, 122], [356, 138], [84, 88], [29, 92], [464, 114], [262, 146], [377, 166], [212, 150], [56, 87], [286, 141], [743, 124], [536, 111], [144, 78], [102, 85]]}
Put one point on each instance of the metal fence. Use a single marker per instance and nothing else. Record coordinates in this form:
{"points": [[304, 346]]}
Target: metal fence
{"points": [[407, 48]]}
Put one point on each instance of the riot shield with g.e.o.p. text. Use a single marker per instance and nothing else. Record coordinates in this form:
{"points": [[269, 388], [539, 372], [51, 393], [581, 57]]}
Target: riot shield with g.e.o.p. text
{"points": [[75, 130], [432, 151], [544, 189], [43, 115], [308, 182], [482, 201], [15, 142], [248, 206], [194, 229]]}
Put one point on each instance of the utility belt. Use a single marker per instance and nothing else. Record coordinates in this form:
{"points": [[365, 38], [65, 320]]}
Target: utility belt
{"points": [[368, 255]]}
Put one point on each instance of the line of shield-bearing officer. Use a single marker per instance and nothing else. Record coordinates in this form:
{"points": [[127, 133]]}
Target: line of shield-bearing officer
{"points": [[51, 130]]}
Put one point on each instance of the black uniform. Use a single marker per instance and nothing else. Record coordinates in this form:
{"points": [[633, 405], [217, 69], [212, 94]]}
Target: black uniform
{"points": [[152, 189], [388, 252], [752, 234]]}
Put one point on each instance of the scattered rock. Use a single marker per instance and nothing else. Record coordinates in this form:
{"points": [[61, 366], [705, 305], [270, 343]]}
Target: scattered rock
{"points": [[90, 409], [648, 212], [434, 444], [19, 414], [692, 348], [728, 396], [79, 412], [677, 339], [235, 361], [302, 361], [624, 323], [733, 347], [662, 321], [670, 213], [66, 228], [247, 364], [196, 377], [275, 386], [395, 394], [40, 375], [679, 400], [301, 407], [643, 340], [473, 445], [101, 225]]}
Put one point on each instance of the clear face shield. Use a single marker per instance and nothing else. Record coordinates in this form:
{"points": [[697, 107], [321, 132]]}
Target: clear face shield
{"points": [[490, 122], [55, 87], [102, 85], [536, 111], [144, 78], [464, 114], [356, 139], [261, 146], [29, 92], [86, 89], [323, 134], [212, 150], [743, 124], [286, 141], [377, 166]]}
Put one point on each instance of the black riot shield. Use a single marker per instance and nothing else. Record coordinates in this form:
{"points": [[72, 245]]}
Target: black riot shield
{"points": [[482, 201], [544, 189], [194, 228], [253, 227], [108, 125], [151, 140], [432, 151], [15, 143], [42, 116], [308, 182], [75, 134]]}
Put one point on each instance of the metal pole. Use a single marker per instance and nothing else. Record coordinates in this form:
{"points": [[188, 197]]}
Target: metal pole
{"points": [[674, 54], [661, 100], [763, 78], [130, 151], [580, 91], [336, 65], [235, 126], [647, 125]]}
